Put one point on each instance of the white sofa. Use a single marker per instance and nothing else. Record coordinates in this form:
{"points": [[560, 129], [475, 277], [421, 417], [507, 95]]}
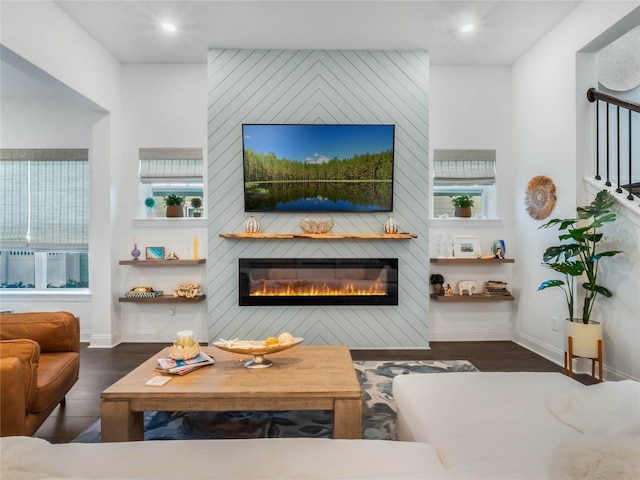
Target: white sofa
{"points": [[522, 425], [281, 458]]}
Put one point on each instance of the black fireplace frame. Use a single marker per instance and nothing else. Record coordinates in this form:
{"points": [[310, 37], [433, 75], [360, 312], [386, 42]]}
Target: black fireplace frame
{"points": [[245, 264]]}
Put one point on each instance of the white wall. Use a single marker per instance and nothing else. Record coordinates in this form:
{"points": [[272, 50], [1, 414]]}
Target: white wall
{"points": [[471, 109], [545, 105]]}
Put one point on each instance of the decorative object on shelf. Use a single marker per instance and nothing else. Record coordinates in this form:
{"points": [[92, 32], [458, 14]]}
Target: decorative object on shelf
{"points": [[174, 204], [195, 247], [466, 247], [498, 249], [390, 226], [154, 253], [580, 257], [257, 348], [196, 203], [185, 346], [462, 204], [150, 203], [468, 286], [437, 280], [142, 292], [540, 197], [316, 224], [171, 256], [188, 290], [252, 225], [448, 292], [135, 253], [445, 246]]}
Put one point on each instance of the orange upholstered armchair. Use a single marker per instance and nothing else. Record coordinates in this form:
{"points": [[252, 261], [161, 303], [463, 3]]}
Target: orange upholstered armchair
{"points": [[39, 363]]}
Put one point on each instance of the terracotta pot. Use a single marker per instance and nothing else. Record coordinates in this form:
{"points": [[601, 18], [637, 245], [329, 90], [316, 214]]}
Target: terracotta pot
{"points": [[584, 337], [174, 211], [462, 212]]}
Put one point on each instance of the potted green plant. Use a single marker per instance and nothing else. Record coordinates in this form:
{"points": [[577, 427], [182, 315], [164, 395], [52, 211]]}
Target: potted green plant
{"points": [[174, 203], [462, 204], [196, 203], [578, 256], [437, 280]]}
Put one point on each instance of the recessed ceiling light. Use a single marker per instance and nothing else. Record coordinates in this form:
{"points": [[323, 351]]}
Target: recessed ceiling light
{"points": [[467, 28], [168, 27]]}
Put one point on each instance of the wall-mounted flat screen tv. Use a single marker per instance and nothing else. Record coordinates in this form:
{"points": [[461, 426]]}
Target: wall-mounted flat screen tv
{"points": [[318, 168]]}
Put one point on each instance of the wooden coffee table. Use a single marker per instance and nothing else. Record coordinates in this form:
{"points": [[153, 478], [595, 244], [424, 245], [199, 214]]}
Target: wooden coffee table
{"points": [[302, 378]]}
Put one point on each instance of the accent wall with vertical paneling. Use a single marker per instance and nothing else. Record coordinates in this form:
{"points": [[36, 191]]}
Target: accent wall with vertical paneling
{"points": [[331, 87]]}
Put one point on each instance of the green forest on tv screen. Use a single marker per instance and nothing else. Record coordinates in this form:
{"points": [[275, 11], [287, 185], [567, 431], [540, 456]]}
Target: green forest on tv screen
{"points": [[363, 182]]}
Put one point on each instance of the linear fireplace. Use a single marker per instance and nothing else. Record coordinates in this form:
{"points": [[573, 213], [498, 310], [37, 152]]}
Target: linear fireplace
{"points": [[318, 281]]}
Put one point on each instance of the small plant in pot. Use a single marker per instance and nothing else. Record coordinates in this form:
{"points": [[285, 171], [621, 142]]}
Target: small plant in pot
{"points": [[579, 256], [196, 203], [437, 281], [462, 204], [174, 204]]}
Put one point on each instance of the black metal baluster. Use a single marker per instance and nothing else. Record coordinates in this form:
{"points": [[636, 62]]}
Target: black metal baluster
{"points": [[608, 182], [630, 196], [619, 189], [598, 177]]}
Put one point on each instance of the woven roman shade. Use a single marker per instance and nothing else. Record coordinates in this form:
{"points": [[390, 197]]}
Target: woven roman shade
{"points": [[464, 167], [162, 165], [45, 198]]}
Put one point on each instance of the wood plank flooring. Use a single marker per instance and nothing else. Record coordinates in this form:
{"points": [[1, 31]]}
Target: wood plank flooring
{"points": [[100, 367]]}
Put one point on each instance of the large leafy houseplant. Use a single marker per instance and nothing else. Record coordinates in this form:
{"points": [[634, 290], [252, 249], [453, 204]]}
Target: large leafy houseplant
{"points": [[579, 254]]}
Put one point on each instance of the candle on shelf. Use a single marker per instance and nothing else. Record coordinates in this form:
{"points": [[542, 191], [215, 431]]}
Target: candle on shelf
{"points": [[195, 247], [185, 338]]}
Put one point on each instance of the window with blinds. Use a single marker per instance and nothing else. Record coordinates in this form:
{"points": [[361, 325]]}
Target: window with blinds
{"points": [[45, 197], [464, 172]]}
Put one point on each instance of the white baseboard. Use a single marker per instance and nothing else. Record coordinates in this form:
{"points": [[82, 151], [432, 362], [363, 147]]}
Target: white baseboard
{"points": [[469, 335]]}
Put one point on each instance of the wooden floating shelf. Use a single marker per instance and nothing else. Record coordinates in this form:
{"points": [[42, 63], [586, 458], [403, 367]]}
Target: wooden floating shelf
{"points": [[471, 261], [163, 299], [161, 263], [471, 298], [322, 236]]}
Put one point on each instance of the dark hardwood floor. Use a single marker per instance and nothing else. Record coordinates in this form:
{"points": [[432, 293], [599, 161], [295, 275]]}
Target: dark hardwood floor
{"points": [[101, 367]]}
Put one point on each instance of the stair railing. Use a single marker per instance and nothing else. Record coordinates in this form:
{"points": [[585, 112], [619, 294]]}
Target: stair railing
{"points": [[632, 188]]}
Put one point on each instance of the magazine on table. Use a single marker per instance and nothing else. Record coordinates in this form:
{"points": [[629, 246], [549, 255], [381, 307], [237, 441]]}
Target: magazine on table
{"points": [[180, 367]]}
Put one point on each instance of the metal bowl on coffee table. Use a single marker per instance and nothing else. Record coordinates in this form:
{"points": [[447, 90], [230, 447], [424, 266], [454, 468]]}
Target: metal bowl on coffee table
{"points": [[257, 348]]}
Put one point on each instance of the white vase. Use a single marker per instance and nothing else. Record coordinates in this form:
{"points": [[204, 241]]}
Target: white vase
{"points": [[390, 226], [252, 225], [584, 338]]}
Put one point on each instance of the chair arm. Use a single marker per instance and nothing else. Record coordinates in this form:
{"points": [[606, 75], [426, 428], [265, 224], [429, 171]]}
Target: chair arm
{"points": [[13, 398], [27, 353]]}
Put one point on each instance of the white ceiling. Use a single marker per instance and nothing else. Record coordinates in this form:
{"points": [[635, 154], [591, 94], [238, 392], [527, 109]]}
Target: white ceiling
{"points": [[130, 30], [504, 29]]}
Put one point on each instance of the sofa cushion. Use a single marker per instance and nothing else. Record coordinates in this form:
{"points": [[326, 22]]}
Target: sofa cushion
{"points": [[54, 331], [28, 354], [57, 372]]}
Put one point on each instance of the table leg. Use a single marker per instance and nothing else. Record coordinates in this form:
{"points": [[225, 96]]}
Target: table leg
{"points": [[347, 418], [119, 423]]}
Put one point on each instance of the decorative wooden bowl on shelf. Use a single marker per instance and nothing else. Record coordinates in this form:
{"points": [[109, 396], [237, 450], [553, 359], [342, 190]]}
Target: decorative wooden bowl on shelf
{"points": [[257, 348]]}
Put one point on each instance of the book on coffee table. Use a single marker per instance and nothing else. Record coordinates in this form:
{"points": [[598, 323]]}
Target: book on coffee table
{"points": [[180, 367]]}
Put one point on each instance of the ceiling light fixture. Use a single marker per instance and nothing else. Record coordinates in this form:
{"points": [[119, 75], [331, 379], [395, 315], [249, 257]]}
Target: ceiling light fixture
{"points": [[168, 27], [467, 28]]}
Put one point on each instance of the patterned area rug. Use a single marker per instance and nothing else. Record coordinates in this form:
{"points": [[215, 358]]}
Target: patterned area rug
{"points": [[379, 412]]}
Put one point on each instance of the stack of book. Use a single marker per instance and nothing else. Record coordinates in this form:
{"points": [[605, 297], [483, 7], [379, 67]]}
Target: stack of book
{"points": [[494, 288], [180, 367]]}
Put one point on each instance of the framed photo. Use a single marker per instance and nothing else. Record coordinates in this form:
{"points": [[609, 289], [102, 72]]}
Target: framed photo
{"points": [[154, 253], [466, 247]]}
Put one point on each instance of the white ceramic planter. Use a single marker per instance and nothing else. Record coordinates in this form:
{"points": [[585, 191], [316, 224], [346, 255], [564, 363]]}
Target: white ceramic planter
{"points": [[584, 338]]}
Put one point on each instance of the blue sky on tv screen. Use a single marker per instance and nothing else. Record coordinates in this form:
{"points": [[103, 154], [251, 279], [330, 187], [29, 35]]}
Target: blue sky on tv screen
{"points": [[318, 143]]}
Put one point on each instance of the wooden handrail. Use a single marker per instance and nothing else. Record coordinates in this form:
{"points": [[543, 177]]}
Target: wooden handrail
{"points": [[593, 95]]}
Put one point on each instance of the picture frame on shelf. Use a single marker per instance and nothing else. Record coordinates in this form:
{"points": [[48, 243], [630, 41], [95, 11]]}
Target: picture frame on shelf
{"points": [[154, 253], [467, 246]]}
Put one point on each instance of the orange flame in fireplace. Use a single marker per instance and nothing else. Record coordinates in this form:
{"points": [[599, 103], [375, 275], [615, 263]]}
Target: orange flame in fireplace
{"points": [[303, 288]]}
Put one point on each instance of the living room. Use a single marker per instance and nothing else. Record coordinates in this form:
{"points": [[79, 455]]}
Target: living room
{"points": [[127, 106]]}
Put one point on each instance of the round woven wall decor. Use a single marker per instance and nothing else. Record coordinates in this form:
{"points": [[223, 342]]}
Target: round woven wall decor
{"points": [[540, 197]]}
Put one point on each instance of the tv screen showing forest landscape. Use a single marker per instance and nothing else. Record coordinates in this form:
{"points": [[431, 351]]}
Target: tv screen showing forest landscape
{"points": [[318, 168]]}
